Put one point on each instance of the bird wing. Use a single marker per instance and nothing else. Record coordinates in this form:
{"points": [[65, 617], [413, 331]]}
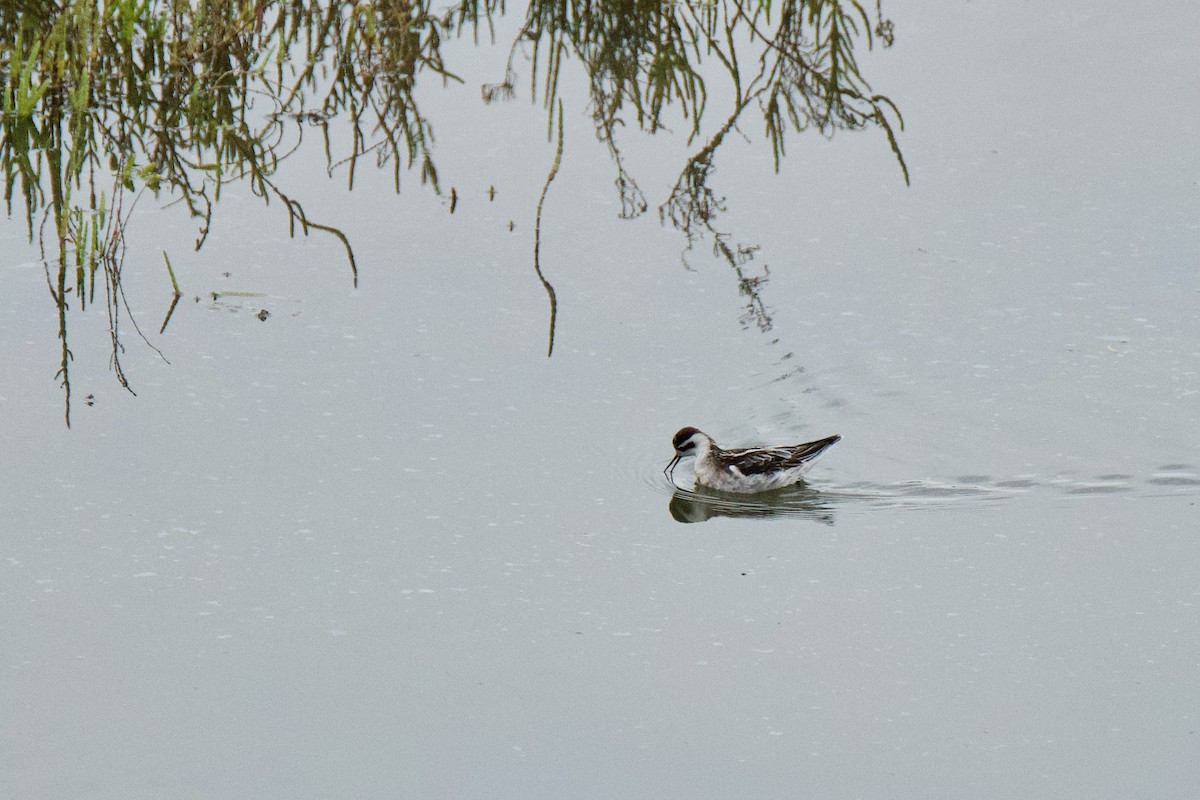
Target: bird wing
{"points": [[809, 450], [757, 460]]}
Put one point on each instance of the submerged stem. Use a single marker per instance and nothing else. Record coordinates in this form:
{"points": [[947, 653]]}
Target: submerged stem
{"points": [[537, 232]]}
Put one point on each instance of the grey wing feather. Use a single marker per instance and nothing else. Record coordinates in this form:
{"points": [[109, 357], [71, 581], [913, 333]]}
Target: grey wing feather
{"points": [[756, 460], [759, 460], [810, 450]]}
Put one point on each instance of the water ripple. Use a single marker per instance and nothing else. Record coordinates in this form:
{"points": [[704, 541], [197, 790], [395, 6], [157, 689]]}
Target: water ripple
{"points": [[820, 502], [698, 504]]}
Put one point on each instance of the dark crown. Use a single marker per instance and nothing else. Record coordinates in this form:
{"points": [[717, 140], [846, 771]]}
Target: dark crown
{"points": [[683, 435]]}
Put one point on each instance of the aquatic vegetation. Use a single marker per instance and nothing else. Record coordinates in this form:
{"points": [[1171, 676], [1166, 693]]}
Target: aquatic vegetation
{"points": [[104, 103]]}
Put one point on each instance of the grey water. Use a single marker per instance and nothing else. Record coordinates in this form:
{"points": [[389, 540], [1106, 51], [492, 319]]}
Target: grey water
{"points": [[378, 544]]}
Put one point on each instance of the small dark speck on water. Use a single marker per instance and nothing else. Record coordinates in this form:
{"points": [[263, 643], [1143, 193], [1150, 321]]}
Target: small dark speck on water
{"points": [[263, 314]]}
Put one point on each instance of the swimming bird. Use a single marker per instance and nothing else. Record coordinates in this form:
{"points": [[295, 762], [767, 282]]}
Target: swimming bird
{"points": [[753, 469]]}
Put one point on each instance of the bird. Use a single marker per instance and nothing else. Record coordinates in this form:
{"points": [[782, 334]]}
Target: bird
{"points": [[752, 469]]}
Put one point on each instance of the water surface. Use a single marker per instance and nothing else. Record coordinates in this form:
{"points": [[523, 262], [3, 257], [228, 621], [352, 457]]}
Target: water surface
{"points": [[379, 545]]}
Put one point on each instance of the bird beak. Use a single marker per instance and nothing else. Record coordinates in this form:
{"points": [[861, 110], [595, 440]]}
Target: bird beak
{"points": [[669, 470]]}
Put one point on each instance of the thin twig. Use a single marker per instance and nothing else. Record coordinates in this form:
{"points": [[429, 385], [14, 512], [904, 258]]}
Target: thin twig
{"points": [[537, 232]]}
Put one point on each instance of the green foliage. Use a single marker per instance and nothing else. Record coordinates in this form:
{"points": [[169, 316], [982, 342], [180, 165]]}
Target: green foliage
{"points": [[647, 62], [796, 59], [105, 100]]}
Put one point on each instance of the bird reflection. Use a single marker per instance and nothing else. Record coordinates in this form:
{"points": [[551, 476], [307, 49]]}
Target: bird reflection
{"points": [[703, 504]]}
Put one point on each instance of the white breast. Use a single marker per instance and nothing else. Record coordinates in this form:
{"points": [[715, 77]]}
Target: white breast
{"points": [[732, 480]]}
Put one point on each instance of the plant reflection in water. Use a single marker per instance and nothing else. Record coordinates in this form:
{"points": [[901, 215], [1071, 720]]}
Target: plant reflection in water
{"points": [[105, 102]]}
